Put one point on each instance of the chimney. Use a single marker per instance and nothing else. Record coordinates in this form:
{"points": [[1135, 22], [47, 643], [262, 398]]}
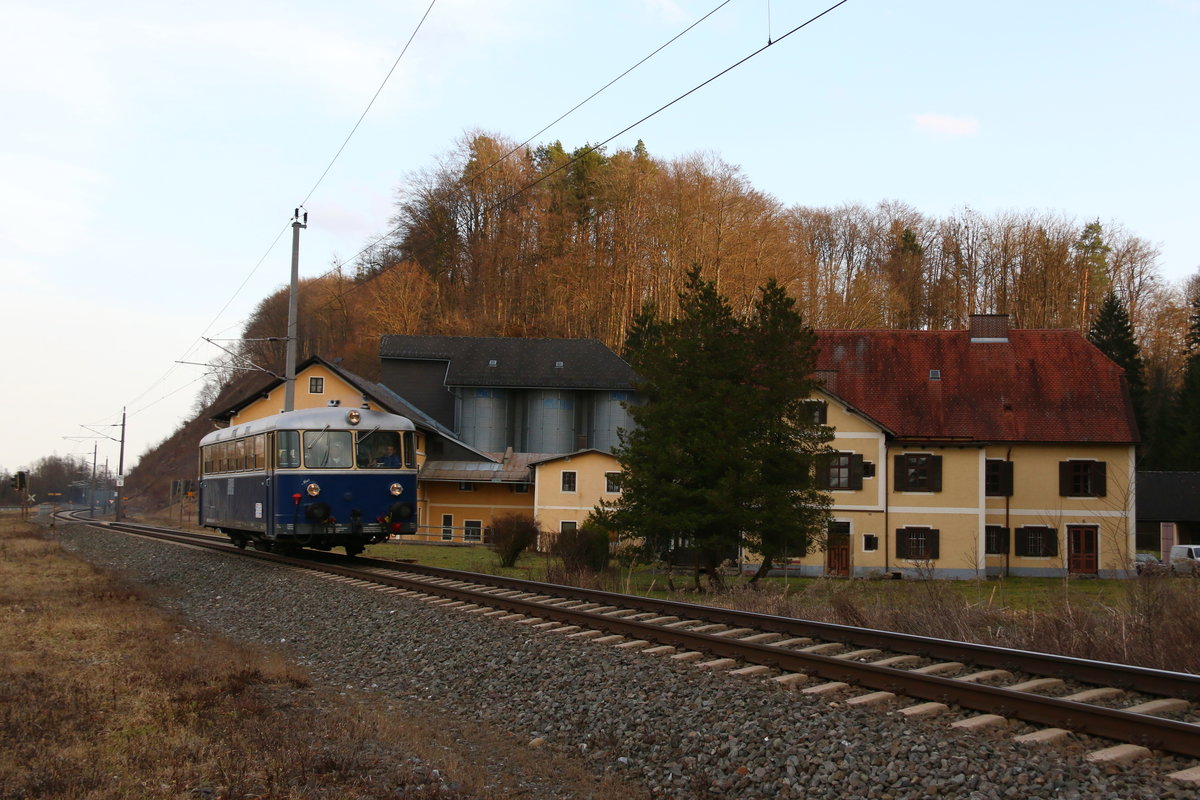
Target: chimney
{"points": [[989, 328], [827, 378]]}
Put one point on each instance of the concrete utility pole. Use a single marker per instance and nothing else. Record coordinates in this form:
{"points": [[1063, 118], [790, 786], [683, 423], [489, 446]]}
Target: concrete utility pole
{"points": [[289, 391], [120, 470], [92, 492]]}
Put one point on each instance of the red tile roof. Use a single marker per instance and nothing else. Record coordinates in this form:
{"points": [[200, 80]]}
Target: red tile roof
{"points": [[1038, 386]]}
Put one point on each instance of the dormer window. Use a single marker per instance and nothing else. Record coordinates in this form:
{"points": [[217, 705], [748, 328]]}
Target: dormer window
{"points": [[491, 362], [935, 374]]}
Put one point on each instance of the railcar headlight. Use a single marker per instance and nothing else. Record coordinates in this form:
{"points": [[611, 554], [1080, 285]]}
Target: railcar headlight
{"points": [[353, 417], [396, 489], [312, 489]]}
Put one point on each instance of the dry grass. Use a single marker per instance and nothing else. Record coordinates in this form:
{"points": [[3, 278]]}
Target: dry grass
{"points": [[102, 697], [1149, 620]]}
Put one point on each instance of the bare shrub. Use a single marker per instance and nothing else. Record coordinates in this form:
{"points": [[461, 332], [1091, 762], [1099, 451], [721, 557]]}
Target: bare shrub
{"points": [[513, 534], [585, 549]]}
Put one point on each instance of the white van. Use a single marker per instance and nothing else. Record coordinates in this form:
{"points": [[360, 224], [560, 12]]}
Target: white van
{"points": [[1185, 559]]}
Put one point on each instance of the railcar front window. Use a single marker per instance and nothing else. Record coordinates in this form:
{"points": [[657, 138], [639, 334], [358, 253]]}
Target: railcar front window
{"points": [[328, 449], [379, 450], [287, 453]]}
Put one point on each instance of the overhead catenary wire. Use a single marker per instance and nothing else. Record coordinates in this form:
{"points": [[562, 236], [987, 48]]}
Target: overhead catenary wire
{"points": [[592, 148], [192, 346], [501, 159], [517, 192]]}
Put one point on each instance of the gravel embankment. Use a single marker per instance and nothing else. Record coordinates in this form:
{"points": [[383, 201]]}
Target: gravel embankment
{"points": [[681, 731]]}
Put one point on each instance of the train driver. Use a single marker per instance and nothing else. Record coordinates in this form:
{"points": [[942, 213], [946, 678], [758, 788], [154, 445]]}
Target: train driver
{"points": [[389, 458]]}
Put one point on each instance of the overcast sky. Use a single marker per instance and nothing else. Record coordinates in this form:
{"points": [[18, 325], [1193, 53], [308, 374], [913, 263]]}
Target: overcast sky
{"points": [[151, 152]]}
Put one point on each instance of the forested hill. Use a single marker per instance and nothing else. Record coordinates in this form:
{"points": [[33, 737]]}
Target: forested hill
{"points": [[500, 240]]}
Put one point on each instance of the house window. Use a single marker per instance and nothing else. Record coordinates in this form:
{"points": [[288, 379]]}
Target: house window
{"points": [[820, 411], [316, 385], [995, 540], [466, 486], [472, 530], [917, 544], [870, 542], [1082, 478], [845, 471], [998, 478], [1036, 541], [612, 483], [918, 472], [520, 488], [447, 527], [568, 526], [568, 481]]}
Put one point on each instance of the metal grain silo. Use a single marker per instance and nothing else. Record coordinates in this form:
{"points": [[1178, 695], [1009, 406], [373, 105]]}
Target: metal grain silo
{"points": [[550, 421], [483, 418], [608, 414]]}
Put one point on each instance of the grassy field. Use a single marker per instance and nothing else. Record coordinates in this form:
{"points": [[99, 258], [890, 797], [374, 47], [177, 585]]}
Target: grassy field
{"points": [[102, 697]]}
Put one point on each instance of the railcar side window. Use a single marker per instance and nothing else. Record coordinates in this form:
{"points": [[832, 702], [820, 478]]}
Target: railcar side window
{"points": [[328, 449], [287, 453], [410, 449], [260, 451]]}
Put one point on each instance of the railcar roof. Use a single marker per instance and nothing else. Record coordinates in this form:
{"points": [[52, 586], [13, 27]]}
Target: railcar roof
{"points": [[314, 419]]}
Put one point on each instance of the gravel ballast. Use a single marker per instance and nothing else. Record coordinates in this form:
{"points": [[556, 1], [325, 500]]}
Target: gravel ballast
{"points": [[681, 731]]}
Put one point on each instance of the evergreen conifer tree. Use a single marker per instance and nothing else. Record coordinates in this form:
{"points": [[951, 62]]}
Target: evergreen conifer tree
{"points": [[1186, 448], [1112, 333], [722, 452]]}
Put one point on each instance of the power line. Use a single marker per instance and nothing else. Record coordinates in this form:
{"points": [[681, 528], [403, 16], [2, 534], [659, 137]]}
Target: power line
{"points": [[368, 108], [593, 148], [191, 348], [498, 161]]}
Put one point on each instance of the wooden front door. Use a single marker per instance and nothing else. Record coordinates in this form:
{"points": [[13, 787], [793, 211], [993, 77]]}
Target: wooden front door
{"points": [[837, 550], [1082, 550]]}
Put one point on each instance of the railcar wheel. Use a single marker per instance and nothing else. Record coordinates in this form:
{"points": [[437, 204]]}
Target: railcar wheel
{"points": [[239, 542], [354, 548]]}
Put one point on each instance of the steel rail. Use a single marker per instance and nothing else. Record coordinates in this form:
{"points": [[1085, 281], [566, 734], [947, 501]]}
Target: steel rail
{"points": [[1123, 676], [1150, 731]]}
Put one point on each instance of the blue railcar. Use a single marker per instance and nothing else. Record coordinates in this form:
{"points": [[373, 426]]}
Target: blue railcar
{"points": [[319, 478]]}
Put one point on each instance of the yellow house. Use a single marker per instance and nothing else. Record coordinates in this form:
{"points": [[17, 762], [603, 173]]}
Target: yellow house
{"points": [[969, 453], [567, 488]]}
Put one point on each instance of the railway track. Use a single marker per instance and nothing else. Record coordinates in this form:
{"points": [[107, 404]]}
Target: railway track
{"points": [[1143, 709]]}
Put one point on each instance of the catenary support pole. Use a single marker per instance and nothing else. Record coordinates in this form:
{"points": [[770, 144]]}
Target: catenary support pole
{"points": [[289, 391]]}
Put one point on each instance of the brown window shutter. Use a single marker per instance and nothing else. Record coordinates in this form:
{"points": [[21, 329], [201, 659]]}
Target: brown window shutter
{"points": [[1021, 542], [1064, 479], [932, 538], [1100, 479], [901, 479], [935, 473], [856, 471], [822, 463], [1006, 478], [1051, 542], [901, 542]]}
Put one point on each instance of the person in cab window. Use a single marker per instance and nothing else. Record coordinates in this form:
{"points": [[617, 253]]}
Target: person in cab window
{"points": [[389, 458]]}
